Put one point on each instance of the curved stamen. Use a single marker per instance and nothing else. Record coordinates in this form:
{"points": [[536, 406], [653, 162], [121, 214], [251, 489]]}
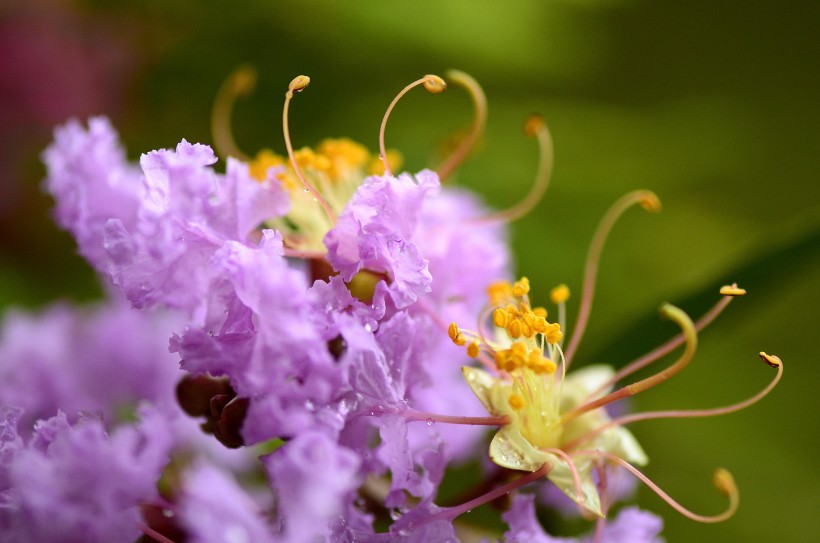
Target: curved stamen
{"points": [[681, 319], [482, 356], [153, 534], [479, 122], [648, 201], [576, 477], [240, 83], [771, 360], [534, 126], [298, 85], [722, 479], [600, 524], [670, 345], [559, 296], [433, 84]]}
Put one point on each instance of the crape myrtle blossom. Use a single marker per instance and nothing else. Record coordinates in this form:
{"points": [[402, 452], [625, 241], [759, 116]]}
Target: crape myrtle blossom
{"points": [[293, 352], [317, 290], [90, 423], [631, 525]]}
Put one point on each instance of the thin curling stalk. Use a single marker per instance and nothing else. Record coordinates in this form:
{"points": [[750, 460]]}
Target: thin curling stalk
{"points": [[770, 360], [650, 202], [669, 346], [476, 129], [433, 83], [722, 479], [688, 328], [240, 83], [533, 127], [299, 84]]}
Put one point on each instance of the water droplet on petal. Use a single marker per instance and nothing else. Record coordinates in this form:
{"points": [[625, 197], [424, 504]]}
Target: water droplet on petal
{"points": [[430, 422]]}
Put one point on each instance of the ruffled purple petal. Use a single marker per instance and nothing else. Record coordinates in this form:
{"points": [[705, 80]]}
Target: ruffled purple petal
{"points": [[314, 479], [376, 230]]}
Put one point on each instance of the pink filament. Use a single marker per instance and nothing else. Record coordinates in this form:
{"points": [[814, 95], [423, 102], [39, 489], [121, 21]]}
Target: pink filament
{"points": [[681, 414], [664, 349], [663, 495]]}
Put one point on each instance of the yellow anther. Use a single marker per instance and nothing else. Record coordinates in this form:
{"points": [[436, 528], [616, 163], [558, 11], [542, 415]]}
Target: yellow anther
{"points": [[539, 364], [299, 83], [540, 325], [452, 331], [501, 359], [394, 162], [770, 359], [521, 287], [732, 290], [724, 482], [559, 294], [650, 202], [519, 349], [514, 329], [500, 318], [534, 361], [434, 84], [243, 80], [526, 329], [554, 335], [460, 340], [473, 349], [515, 401], [513, 310], [533, 125], [540, 312], [499, 292], [266, 159]]}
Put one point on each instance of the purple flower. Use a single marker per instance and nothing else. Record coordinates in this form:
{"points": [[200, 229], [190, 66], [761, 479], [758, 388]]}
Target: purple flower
{"points": [[154, 229], [375, 232], [630, 526], [91, 182], [313, 478], [103, 360], [213, 508], [77, 483]]}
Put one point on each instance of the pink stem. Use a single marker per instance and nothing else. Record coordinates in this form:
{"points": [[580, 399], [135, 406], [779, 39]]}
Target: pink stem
{"points": [[453, 512], [413, 415]]}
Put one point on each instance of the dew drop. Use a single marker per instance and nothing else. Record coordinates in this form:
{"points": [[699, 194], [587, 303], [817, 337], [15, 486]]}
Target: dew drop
{"points": [[368, 327], [430, 422], [306, 189], [167, 513]]}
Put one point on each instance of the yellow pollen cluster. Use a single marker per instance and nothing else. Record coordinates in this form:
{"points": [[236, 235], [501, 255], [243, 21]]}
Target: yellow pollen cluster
{"points": [[559, 294], [456, 335], [516, 401], [499, 292], [519, 356], [522, 321], [332, 158]]}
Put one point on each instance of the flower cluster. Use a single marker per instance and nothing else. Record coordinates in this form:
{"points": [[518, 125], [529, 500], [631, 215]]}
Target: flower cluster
{"points": [[311, 391]]}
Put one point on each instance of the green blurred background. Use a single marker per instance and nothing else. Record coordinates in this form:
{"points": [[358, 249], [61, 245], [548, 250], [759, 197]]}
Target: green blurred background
{"points": [[711, 104]]}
